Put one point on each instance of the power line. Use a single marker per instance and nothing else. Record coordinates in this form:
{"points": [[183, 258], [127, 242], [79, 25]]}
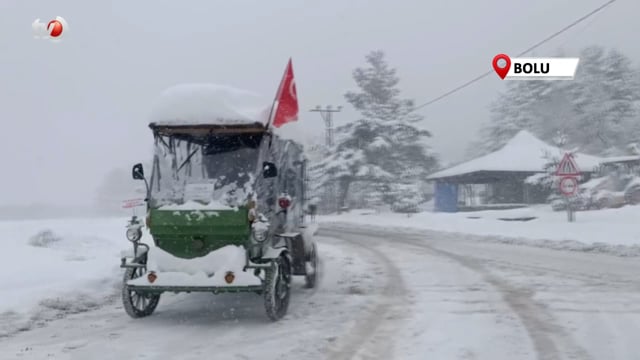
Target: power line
{"points": [[537, 45]]}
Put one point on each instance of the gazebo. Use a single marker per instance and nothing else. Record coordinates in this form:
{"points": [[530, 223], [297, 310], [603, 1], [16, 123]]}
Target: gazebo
{"points": [[503, 174]]}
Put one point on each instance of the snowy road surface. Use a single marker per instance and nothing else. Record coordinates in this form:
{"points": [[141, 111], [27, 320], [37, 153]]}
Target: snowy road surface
{"points": [[383, 296]]}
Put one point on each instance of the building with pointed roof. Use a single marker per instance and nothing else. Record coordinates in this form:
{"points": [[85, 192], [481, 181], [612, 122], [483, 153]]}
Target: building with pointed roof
{"points": [[503, 173]]}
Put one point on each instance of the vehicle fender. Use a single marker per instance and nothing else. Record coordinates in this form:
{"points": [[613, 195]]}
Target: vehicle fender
{"points": [[129, 253], [273, 253], [141, 253]]}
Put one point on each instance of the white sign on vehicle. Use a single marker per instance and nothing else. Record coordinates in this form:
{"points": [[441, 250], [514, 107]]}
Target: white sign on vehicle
{"points": [[569, 185], [199, 191], [131, 203]]}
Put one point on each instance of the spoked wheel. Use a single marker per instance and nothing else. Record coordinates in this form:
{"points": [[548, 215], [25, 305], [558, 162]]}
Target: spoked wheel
{"points": [[278, 289], [311, 268], [137, 304]]}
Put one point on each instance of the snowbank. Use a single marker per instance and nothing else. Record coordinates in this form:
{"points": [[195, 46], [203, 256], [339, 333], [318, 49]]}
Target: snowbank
{"points": [[54, 267], [208, 270], [198, 104], [612, 230]]}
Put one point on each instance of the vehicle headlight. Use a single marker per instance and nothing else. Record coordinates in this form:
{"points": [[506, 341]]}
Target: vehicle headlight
{"points": [[134, 234], [259, 234]]}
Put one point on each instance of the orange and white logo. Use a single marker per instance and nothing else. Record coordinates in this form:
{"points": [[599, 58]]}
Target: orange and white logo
{"points": [[53, 30]]}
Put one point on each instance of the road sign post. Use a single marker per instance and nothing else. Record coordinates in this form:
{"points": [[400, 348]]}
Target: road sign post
{"points": [[568, 172]]}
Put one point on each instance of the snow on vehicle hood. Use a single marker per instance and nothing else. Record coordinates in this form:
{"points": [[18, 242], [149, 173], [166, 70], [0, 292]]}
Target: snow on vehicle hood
{"points": [[194, 205], [204, 104], [208, 270]]}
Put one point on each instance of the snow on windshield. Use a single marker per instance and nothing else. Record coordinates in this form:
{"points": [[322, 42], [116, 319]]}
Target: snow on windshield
{"points": [[211, 178], [197, 104]]}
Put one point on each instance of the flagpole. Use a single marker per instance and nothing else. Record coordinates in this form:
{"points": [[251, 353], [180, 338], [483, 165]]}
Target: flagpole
{"points": [[275, 100]]}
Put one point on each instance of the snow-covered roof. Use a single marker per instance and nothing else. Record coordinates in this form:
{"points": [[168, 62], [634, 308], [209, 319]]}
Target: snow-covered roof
{"points": [[209, 104], [621, 159], [523, 153]]}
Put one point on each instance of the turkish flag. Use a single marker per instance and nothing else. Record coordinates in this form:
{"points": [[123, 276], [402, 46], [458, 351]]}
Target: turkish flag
{"points": [[286, 104]]}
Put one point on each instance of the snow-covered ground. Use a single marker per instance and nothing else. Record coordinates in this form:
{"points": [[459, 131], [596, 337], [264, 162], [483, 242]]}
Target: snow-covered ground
{"points": [[612, 230], [227, 326], [56, 267], [382, 294]]}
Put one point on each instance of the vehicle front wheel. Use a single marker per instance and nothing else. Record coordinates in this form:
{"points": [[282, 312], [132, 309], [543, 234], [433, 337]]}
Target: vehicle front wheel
{"points": [[137, 304], [278, 288]]}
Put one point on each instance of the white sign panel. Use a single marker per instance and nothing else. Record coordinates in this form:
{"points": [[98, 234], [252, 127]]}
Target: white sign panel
{"points": [[199, 192]]}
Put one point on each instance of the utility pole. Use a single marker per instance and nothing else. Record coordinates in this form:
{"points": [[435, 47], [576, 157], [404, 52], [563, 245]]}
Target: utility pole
{"points": [[327, 115]]}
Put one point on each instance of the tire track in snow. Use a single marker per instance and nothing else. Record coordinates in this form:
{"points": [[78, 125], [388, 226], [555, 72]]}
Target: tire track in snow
{"points": [[537, 321], [372, 335], [550, 340]]}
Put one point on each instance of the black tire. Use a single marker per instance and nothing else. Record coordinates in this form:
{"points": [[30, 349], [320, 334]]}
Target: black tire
{"points": [[278, 289], [312, 262], [137, 305]]}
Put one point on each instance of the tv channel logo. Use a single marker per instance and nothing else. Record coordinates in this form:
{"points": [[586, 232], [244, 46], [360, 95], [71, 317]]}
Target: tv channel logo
{"points": [[53, 30]]}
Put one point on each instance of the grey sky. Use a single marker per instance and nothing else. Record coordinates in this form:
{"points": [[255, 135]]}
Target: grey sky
{"points": [[71, 111]]}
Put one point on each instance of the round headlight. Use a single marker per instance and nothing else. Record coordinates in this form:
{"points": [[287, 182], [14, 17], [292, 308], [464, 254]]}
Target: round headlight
{"points": [[134, 234]]}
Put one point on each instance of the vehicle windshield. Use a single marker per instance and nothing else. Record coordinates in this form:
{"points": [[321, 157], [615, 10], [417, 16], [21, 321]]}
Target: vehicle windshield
{"points": [[218, 172]]}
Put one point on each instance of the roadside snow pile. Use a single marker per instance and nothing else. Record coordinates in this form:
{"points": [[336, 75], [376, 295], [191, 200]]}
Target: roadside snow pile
{"points": [[199, 104], [208, 270], [70, 266], [613, 231], [44, 238]]}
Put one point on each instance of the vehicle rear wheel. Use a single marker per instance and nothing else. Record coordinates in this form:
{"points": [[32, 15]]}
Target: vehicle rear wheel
{"points": [[311, 267], [278, 289], [137, 304]]}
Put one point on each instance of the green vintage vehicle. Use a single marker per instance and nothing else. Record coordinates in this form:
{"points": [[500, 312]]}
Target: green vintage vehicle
{"points": [[216, 191]]}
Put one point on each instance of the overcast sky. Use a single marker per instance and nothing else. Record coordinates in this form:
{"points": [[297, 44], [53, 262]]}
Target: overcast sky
{"points": [[71, 111]]}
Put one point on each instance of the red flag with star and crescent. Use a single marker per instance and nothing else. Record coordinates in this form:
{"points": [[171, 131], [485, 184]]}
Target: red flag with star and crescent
{"points": [[285, 108]]}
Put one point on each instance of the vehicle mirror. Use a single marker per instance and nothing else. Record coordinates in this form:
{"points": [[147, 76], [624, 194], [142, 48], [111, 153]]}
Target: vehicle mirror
{"points": [[137, 172], [269, 170]]}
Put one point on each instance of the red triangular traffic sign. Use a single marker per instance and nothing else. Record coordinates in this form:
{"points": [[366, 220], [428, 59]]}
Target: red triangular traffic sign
{"points": [[567, 166]]}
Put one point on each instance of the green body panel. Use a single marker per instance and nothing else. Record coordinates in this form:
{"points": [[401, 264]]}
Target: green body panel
{"points": [[194, 233]]}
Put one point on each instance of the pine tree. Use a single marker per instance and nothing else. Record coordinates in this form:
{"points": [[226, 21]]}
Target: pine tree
{"points": [[605, 98], [385, 145], [524, 105], [598, 109]]}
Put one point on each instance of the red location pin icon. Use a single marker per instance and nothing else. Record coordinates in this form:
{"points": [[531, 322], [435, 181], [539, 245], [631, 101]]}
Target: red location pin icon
{"points": [[504, 70]]}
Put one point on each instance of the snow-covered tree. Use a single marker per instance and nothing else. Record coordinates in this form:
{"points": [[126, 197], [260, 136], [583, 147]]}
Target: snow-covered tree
{"points": [[385, 145], [605, 97], [524, 105], [598, 110]]}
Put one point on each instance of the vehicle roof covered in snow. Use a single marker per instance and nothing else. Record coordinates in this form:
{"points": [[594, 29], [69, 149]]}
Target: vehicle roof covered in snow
{"points": [[200, 131], [203, 107]]}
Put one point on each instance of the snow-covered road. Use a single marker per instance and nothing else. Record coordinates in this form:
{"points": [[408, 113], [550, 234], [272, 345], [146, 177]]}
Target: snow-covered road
{"points": [[484, 300], [384, 295]]}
